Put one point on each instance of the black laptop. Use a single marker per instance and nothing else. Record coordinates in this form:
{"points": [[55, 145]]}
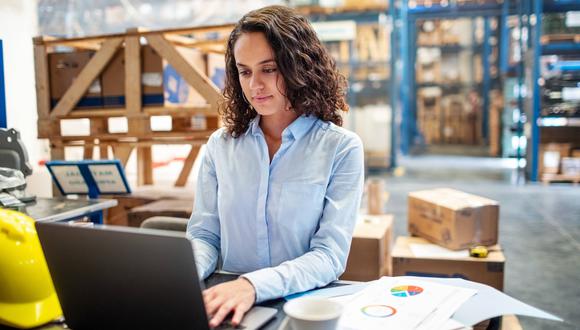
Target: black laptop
{"points": [[109, 277]]}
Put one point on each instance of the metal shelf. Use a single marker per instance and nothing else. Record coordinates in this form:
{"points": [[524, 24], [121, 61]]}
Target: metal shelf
{"points": [[408, 33], [375, 15], [3, 122], [360, 16], [455, 10], [565, 66], [558, 122], [454, 48], [560, 48], [560, 6], [538, 8]]}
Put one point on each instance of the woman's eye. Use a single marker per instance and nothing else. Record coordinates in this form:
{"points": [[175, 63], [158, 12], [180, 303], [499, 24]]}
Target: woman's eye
{"points": [[270, 70], [244, 73]]}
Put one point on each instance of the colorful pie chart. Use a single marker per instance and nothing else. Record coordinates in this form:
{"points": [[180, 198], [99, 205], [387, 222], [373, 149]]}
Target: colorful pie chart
{"points": [[378, 311], [406, 291]]}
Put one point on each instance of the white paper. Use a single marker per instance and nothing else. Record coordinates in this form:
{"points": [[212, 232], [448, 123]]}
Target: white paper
{"points": [[487, 303], [70, 179], [443, 313], [451, 324], [436, 251], [337, 291], [108, 178], [394, 303]]}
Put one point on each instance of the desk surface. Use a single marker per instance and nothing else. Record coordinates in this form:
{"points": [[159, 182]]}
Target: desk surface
{"points": [[274, 323], [59, 209], [214, 279]]}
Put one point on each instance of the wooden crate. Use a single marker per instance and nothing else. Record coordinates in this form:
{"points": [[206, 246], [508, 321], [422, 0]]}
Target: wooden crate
{"points": [[429, 33], [429, 115], [560, 37], [140, 137], [495, 126], [551, 178]]}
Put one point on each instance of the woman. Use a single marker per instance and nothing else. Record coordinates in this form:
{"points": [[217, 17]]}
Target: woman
{"points": [[279, 187]]}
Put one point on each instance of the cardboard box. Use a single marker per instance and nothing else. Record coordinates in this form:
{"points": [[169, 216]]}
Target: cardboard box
{"points": [[216, 69], [452, 218], [64, 68], [151, 77], [550, 156], [571, 166], [488, 270], [370, 256], [113, 79], [160, 82]]}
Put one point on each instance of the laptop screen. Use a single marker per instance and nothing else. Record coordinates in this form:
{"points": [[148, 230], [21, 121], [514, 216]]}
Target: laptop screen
{"points": [[110, 277]]}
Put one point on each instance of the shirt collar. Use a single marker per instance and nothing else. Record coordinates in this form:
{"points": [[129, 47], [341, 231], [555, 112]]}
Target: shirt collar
{"points": [[255, 126], [298, 128]]}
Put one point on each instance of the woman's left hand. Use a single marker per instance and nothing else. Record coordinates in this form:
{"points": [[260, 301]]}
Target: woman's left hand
{"points": [[235, 296]]}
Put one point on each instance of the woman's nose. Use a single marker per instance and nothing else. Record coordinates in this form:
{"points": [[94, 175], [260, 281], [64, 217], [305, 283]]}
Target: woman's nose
{"points": [[256, 82]]}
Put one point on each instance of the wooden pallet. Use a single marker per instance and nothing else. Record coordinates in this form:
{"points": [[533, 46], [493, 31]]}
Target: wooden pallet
{"points": [[208, 39], [557, 38], [548, 178], [445, 3], [347, 8]]}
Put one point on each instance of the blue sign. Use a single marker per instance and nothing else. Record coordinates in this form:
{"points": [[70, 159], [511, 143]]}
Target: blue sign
{"points": [[89, 177]]}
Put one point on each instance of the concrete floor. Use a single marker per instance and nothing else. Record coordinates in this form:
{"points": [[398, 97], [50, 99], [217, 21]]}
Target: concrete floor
{"points": [[539, 227]]}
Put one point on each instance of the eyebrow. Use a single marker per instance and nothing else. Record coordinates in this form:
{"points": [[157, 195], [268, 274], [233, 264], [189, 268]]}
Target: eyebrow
{"points": [[263, 62]]}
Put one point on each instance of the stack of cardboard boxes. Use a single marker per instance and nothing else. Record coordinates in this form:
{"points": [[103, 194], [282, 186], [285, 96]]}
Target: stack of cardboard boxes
{"points": [[429, 114], [559, 161], [457, 221], [161, 84], [370, 250]]}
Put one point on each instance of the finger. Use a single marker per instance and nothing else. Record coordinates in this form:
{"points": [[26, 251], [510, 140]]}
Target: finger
{"points": [[220, 315], [212, 305], [239, 314], [208, 292]]}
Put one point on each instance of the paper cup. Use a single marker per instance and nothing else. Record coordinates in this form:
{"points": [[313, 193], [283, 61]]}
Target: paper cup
{"points": [[311, 313]]}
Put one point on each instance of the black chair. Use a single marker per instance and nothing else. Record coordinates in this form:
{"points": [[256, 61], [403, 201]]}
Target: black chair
{"points": [[166, 223], [13, 152]]}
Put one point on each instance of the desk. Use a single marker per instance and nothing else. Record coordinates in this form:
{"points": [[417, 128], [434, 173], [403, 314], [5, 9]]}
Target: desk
{"points": [[274, 323], [214, 279], [61, 209]]}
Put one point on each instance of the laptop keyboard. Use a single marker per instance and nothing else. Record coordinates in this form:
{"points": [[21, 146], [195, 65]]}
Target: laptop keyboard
{"points": [[227, 325]]}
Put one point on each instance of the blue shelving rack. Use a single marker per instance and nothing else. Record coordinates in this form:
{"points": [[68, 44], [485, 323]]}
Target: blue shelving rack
{"points": [[538, 8], [3, 123], [407, 37], [390, 86]]}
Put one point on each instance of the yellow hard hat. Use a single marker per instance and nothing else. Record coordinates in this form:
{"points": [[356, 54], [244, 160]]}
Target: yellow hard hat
{"points": [[27, 296]]}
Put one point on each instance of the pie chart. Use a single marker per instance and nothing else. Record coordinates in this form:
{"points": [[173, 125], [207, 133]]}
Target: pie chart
{"points": [[406, 291], [378, 311]]}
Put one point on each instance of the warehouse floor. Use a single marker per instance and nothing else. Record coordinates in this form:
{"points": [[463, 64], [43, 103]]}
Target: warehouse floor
{"points": [[539, 227]]}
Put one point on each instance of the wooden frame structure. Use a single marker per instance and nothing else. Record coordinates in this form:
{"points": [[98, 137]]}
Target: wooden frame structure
{"points": [[209, 39]]}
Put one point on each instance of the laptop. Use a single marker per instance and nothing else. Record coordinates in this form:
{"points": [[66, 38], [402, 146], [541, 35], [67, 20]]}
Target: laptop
{"points": [[109, 277]]}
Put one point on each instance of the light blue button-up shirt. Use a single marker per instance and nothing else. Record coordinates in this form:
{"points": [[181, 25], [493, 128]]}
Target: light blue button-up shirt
{"points": [[286, 225]]}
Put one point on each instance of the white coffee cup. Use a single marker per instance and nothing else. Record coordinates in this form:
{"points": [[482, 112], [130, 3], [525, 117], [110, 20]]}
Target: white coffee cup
{"points": [[313, 313]]}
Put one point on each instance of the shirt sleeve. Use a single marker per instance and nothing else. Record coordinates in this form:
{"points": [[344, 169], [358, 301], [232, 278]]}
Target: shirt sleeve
{"points": [[203, 228], [330, 245]]}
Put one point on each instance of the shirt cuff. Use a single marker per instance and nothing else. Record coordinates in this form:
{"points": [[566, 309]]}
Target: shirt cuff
{"points": [[267, 284], [205, 258]]}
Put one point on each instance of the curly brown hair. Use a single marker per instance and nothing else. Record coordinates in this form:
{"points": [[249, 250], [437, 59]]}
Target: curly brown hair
{"points": [[313, 84]]}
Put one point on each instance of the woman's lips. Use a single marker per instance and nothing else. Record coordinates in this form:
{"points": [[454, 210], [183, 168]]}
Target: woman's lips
{"points": [[261, 99]]}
